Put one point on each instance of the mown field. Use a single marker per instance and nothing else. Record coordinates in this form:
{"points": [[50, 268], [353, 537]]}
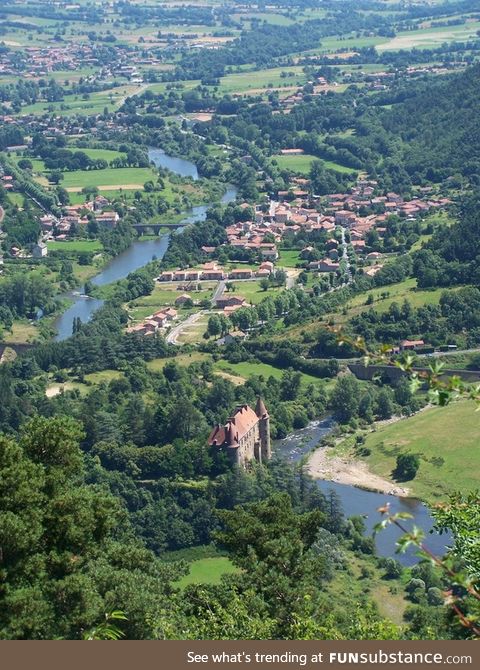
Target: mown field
{"points": [[302, 163], [446, 441], [207, 571]]}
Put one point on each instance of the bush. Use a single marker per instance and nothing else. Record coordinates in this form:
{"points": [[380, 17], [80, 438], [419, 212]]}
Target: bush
{"points": [[406, 467], [435, 596]]}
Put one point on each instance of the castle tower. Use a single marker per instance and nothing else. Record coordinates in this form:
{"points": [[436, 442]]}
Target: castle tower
{"points": [[264, 429]]}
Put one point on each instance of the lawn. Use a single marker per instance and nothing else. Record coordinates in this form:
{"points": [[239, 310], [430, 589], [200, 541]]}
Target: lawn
{"points": [[207, 571], [289, 258], [75, 245], [253, 294], [121, 178], [446, 441], [103, 376], [106, 154], [302, 163]]}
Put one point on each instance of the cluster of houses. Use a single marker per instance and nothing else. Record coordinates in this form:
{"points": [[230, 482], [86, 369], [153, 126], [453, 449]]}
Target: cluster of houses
{"points": [[212, 271], [79, 215], [155, 322], [40, 61]]}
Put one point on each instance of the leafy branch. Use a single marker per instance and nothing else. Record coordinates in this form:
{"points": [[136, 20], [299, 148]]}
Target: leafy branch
{"points": [[441, 390], [106, 630], [459, 579]]}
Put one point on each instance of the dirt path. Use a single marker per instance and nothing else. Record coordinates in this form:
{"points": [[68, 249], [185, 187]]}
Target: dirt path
{"points": [[344, 470]]}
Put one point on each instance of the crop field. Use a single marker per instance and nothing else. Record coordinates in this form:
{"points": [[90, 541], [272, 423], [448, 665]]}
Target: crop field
{"points": [[430, 38], [446, 441]]}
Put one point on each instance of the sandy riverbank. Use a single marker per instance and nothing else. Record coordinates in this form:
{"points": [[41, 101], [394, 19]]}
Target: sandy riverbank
{"points": [[323, 464]]}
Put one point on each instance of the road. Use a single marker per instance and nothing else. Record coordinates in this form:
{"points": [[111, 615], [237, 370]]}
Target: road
{"points": [[173, 335], [219, 291]]}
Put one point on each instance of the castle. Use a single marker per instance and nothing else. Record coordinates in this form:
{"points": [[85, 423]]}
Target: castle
{"points": [[246, 435]]}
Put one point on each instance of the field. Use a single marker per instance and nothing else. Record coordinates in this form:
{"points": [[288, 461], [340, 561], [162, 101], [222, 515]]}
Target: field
{"points": [[96, 103], [303, 162], [243, 82], [288, 258], [430, 38], [446, 441], [120, 178], [253, 294], [247, 369], [76, 245], [207, 571]]}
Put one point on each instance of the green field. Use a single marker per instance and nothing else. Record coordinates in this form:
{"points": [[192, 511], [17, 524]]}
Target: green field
{"points": [[302, 163], [207, 571], [106, 154], [163, 295], [253, 293], [288, 258], [248, 369], [125, 178], [430, 38], [76, 245], [446, 441], [243, 82]]}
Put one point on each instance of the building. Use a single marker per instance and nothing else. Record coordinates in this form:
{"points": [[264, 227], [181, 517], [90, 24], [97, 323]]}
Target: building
{"points": [[40, 250], [246, 435]]}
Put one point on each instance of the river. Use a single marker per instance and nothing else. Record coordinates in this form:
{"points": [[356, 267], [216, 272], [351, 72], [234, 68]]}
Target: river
{"points": [[356, 501], [138, 254]]}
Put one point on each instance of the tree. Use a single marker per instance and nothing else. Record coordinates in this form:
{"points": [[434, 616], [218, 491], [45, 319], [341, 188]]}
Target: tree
{"points": [[214, 326], [56, 176], [345, 398], [264, 284], [406, 466]]}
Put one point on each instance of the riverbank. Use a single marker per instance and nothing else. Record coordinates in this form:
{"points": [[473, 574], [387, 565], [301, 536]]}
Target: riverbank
{"points": [[325, 464], [338, 463]]}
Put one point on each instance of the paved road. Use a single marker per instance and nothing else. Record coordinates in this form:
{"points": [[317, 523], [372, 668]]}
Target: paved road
{"points": [[173, 335], [219, 291]]}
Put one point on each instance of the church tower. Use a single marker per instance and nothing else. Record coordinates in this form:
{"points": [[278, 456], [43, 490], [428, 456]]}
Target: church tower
{"points": [[264, 429]]}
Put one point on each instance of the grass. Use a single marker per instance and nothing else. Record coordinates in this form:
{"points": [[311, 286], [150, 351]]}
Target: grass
{"points": [[119, 177], [76, 245], [247, 369], [242, 82], [302, 163], [253, 294], [207, 571], [106, 154], [446, 442], [158, 364], [289, 258], [161, 296], [429, 38], [103, 376]]}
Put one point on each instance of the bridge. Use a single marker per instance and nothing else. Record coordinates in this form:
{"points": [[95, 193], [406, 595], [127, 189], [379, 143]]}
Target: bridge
{"points": [[156, 227]]}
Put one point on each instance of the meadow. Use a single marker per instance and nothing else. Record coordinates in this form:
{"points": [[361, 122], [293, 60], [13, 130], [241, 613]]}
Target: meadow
{"points": [[446, 441], [207, 571], [242, 82], [75, 245], [302, 163]]}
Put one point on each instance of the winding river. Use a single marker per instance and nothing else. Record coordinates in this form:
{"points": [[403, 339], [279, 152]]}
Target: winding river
{"points": [[138, 254], [357, 501], [293, 447]]}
